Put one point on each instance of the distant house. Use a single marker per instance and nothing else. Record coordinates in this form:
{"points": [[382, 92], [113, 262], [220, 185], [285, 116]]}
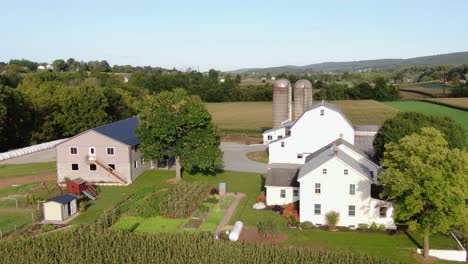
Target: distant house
{"points": [[107, 154], [45, 67], [325, 162], [60, 208]]}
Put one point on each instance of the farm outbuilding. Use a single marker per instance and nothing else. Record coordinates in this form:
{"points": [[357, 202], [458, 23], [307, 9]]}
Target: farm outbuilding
{"points": [[60, 208], [79, 187]]}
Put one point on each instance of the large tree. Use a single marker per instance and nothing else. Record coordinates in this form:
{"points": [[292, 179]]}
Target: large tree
{"points": [[408, 123], [175, 124], [427, 181]]}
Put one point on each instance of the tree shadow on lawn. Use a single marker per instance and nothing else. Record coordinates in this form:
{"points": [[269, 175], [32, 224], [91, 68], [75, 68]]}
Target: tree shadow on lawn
{"points": [[413, 240]]}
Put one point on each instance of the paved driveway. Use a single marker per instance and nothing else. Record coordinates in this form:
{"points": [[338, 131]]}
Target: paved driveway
{"points": [[235, 158]]}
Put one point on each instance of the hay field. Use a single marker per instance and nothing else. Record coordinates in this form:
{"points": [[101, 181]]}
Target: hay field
{"points": [[258, 115], [454, 102], [431, 88]]}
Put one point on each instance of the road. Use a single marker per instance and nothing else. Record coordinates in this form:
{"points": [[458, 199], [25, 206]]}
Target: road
{"points": [[235, 158]]}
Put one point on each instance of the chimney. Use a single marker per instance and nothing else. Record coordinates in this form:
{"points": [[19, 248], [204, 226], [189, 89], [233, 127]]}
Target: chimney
{"points": [[335, 149]]}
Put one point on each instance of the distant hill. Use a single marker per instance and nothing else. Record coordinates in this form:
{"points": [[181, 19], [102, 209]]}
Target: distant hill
{"points": [[457, 58]]}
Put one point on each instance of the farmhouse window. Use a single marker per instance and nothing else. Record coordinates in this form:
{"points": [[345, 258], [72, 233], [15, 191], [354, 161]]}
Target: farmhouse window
{"points": [[75, 167], [317, 209], [110, 151], [270, 137], [282, 144], [92, 167], [135, 164], [283, 193], [142, 160], [322, 112], [324, 171], [112, 166], [318, 188], [383, 212], [352, 189], [345, 172], [299, 156], [73, 150], [296, 193], [280, 136], [352, 210]]}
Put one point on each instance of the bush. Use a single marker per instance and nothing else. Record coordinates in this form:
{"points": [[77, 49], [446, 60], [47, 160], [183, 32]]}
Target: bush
{"points": [[363, 227], [290, 212], [47, 228], [268, 228], [332, 219], [83, 206], [277, 209], [374, 226], [307, 225], [262, 198], [382, 227]]}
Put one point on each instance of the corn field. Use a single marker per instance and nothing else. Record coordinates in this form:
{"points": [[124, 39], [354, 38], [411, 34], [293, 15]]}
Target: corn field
{"points": [[82, 246], [181, 201]]}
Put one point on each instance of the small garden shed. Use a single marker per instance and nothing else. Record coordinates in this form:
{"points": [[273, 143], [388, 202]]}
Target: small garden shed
{"points": [[76, 186], [60, 208]]}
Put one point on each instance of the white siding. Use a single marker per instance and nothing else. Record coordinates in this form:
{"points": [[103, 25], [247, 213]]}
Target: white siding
{"points": [[275, 134], [53, 211], [335, 194], [273, 195], [310, 133], [361, 159]]}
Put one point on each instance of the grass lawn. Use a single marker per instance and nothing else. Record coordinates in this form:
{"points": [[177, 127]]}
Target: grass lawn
{"points": [[433, 109], [12, 216], [260, 156], [155, 224], [9, 170], [21, 189]]}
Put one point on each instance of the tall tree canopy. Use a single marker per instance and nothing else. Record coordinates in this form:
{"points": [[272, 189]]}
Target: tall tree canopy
{"points": [[408, 123], [427, 181], [175, 124]]}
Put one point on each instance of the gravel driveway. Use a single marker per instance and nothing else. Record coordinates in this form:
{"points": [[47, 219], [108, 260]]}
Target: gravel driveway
{"points": [[235, 158]]}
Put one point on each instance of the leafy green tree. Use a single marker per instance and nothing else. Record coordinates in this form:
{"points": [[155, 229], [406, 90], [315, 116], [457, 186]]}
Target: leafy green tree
{"points": [[403, 124], [175, 124], [213, 74], [59, 65], [15, 119], [82, 108], [427, 181]]}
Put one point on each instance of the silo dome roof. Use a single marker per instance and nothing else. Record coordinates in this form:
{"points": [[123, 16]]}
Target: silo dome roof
{"points": [[281, 83], [303, 84]]}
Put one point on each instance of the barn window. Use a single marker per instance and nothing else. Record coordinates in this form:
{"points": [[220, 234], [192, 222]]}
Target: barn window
{"points": [[75, 167], [92, 167], [283, 193], [318, 188], [270, 137], [299, 156], [280, 136], [383, 212], [352, 189], [324, 171], [322, 112], [296, 193], [73, 150], [317, 209], [282, 144], [345, 172], [110, 151], [352, 210]]}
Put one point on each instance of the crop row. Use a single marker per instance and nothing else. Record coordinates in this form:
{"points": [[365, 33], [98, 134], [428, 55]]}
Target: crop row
{"points": [[181, 201], [82, 246]]}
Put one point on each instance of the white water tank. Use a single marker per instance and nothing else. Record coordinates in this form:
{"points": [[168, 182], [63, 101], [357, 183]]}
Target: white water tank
{"points": [[236, 230]]}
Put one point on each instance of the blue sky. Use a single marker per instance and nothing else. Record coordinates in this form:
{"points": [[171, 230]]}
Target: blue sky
{"points": [[228, 35]]}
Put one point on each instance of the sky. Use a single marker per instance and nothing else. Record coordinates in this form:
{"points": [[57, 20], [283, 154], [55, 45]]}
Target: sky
{"points": [[229, 35]]}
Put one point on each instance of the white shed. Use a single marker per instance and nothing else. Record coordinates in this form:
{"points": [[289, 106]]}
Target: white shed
{"points": [[60, 208]]}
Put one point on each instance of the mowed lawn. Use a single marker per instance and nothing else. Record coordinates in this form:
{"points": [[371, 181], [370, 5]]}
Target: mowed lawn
{"points": [[12, 216], [259, 115], [433, 109], [399, 247], [10, 170]]}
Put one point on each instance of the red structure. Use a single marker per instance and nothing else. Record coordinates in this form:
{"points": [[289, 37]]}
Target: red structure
{"points": [[79, 187]]}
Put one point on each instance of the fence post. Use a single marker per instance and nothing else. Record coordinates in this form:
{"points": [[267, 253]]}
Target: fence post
{"points": [[32, 216], [1, 234]]}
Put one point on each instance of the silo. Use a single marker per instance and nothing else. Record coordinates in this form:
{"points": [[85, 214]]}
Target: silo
{"points": [[302, 97], [281, 101]]}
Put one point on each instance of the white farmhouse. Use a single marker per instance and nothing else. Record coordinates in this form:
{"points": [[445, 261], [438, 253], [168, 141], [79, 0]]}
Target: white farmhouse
{"points": [[315, 161]]}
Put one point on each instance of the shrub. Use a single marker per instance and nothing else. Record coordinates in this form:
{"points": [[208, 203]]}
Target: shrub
{"points": [[374, 226], [214, 191], [307, 225], [290, 212], [83, 206], [261, 198], [267, 227], [181, 201], [363, 227], [277, 209], [332, 219], [382, 227], [293, 221], [47, 228]]}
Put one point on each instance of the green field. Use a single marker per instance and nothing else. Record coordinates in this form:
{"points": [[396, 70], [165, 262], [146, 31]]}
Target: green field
{"points": [[258, 115], [428, 88], [12, 216], [9, 170], [433, 109]]}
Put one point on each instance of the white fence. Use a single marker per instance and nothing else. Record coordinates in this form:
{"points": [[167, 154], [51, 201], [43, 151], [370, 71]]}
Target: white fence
{"points": [[454, 255], [30, 149]]}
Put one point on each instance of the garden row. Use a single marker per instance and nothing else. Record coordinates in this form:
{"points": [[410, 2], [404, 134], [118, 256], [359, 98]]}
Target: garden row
{"points": [[82, 246], [181, 201]]}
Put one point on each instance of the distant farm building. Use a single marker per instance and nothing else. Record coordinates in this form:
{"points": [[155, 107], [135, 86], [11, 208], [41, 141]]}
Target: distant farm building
{"points": [[60, 208]]}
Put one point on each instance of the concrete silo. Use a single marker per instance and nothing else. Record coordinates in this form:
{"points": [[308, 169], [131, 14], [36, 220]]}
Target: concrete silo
{"points": [[302, 97], [281, 102]]}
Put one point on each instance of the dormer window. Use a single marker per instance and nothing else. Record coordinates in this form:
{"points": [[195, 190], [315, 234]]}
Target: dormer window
{"points": [[322, 112], [270, 137], [345, 172]]}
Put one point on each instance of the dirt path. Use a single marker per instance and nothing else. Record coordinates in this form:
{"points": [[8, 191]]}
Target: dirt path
{"points": [[230, 211], [8, 181]]}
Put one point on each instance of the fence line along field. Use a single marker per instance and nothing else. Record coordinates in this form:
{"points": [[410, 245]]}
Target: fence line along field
{"points": [[458, 103], [429, 88], [258, 115]]}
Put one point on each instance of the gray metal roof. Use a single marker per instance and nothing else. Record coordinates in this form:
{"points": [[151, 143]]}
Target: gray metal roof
{"points": [[337, 142], [285, 124], [325, 154], [123, 131], [365, 145], [64, 198], [283, 177], [367, 128]]}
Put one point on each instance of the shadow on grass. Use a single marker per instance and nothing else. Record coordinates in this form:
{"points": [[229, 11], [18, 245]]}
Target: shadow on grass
{"points": [[411, 238]]}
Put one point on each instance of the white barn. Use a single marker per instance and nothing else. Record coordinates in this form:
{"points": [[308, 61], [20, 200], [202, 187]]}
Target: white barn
{"points": [[318, 164]]}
